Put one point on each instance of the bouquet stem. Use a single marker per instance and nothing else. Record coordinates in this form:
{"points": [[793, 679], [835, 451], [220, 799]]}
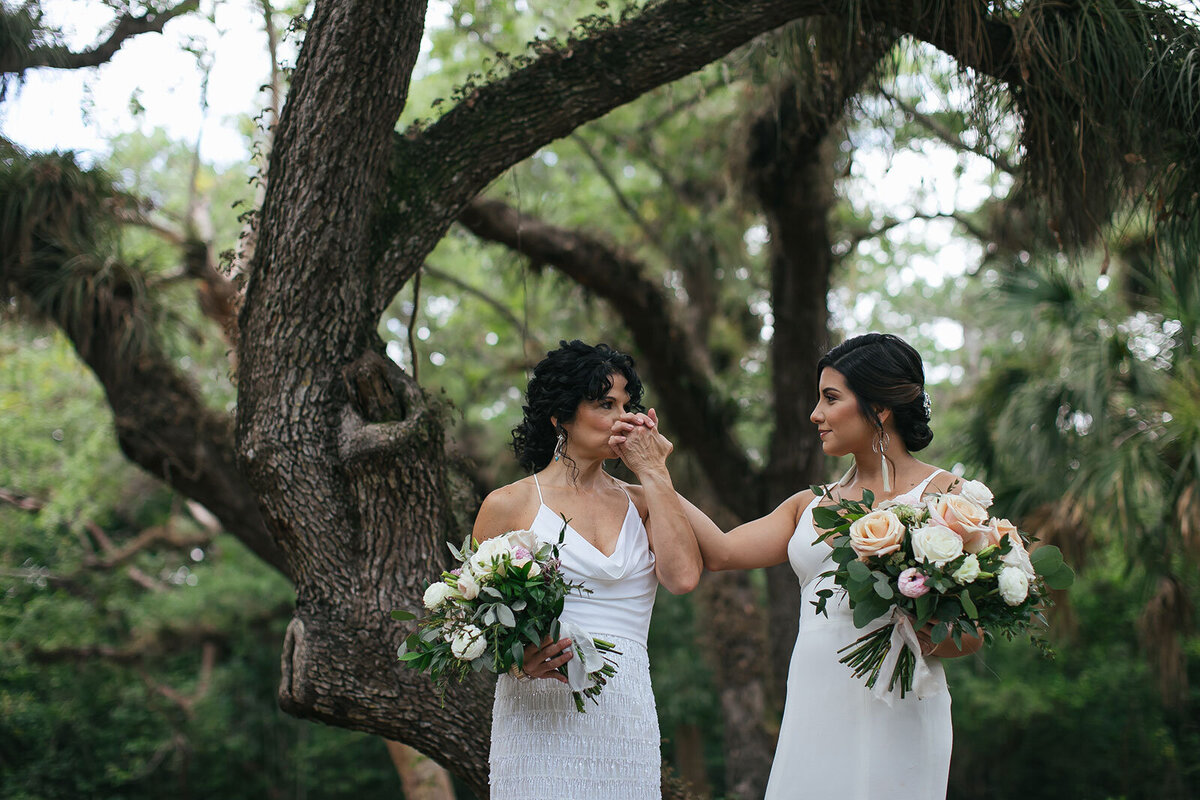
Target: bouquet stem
{"points": [[868, 653], [600, 676]]}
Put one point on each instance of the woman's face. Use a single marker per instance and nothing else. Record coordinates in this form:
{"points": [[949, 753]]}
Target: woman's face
{"points": [[840, 422], [587, 434]]}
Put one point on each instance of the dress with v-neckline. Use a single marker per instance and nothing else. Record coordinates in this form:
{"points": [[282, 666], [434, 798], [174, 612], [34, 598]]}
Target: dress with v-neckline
{"points": [[542, 746], [631, 510]]}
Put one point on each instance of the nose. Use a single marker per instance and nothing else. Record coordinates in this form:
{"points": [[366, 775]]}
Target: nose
{"points": [[815, 417]]}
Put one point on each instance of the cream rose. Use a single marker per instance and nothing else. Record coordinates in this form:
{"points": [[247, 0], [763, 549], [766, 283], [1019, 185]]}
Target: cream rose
{"points": [[876, 534], [978, 493], [438, 593], [468, 643], [526, 538], [468, 587], [963, 517], [487, 557], [1014, 585], [968, 572], [936, 544], [1018, 556]]}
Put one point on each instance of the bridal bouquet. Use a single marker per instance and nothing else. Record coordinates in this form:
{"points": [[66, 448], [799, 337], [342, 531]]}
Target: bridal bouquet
{"points": [[943, 560], [505, 593]]}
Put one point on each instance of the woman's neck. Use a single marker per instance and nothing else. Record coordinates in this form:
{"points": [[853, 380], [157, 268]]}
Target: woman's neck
{"points": [[581, 474]]}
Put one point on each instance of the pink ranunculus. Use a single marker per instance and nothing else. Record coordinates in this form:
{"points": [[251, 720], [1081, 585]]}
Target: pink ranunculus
{"points": [[912, 583]]}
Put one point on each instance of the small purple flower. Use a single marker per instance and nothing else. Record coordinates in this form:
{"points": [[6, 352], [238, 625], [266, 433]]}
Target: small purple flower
{"points": [[521, 552], [912, 583], [456, 572]]}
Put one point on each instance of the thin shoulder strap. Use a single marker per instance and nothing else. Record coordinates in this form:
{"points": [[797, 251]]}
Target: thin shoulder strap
{"points": [[539, 488], [923, 484]]}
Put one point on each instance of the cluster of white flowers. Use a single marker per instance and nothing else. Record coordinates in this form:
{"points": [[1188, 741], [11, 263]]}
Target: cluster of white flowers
{"points": [[492, 557], [956, 523]]}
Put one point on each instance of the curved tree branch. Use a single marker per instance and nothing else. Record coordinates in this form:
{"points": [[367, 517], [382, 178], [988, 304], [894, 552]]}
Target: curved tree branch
{"points": [[689, 395], [61, 57]]}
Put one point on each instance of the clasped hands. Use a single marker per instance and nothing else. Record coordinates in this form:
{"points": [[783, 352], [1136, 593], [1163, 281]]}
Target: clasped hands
{"points": [[635, 439]]}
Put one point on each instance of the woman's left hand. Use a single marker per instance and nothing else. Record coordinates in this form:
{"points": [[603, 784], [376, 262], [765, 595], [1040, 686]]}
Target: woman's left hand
{"points": [[636, 441], [947, 648]]}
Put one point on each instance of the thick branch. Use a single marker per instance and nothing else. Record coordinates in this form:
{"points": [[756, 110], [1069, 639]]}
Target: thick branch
{"points": [[128, 26], [688, 394]]}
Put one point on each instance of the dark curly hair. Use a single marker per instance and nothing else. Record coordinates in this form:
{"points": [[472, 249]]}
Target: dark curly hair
{"points": [[566, 377], [884, 370]]}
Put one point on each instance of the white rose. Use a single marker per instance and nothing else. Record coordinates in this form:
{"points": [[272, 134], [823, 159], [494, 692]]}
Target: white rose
{"points": [[438, 593], [1018, 557], [484, 560], [526, 539], [468, 587], [876, 534], [978, 493], [468, 643], [1014, 586], [937, 544], [969, 570]]}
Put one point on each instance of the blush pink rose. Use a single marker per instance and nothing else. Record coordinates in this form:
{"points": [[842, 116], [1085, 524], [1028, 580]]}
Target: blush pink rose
{"points": [[876, 534], [965, 518], [912, 583]]}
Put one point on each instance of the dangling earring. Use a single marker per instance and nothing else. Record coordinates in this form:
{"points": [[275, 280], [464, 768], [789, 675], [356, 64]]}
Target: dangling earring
{"points": [[880, 445], [560, 444]]}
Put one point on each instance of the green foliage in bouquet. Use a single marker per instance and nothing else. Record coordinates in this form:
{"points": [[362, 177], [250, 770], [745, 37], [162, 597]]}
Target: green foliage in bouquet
{"points": [[507, 592], [963, 594]]}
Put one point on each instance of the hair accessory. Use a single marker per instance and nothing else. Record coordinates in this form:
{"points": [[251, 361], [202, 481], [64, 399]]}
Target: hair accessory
{"points": [[560, 444], [925, 404]]}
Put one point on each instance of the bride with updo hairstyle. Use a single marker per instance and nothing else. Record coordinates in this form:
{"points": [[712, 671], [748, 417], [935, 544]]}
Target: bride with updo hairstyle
{"points": [[837, 739], [621, 541]]}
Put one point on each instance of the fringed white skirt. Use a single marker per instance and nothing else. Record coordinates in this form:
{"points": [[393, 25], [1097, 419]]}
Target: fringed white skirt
{"points": [[543, 747]]}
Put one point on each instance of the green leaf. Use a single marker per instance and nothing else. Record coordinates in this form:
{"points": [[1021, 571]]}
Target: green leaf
{"points": [[402, 615], [882, 587], [1046, 560], [858, 571], [491, 592], [968, 605], [1061, 578], [825, 517], [925, 606], [518, 604], [868, 497], [505, 615], [870, 608]]}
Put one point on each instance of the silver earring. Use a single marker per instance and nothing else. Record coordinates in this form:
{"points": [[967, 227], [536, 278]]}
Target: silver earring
{"points": [[880, 445], [560, 444]]}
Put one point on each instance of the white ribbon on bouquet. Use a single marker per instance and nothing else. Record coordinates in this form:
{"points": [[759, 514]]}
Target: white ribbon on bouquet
{"points": [[587, 657], [903, 636]]}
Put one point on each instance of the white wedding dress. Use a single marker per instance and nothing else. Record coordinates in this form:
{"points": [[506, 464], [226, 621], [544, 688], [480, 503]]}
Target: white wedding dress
{"points": [[836, 739], [541, 745]]}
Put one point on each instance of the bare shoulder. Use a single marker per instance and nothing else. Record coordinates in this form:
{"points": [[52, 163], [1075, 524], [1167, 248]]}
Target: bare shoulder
{"points": [[638, 495], [944, 482], [794, 506], [507, 508]]}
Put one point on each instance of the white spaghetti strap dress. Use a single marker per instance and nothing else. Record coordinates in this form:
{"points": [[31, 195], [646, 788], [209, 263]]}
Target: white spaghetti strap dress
{"points": [[542, 746]]}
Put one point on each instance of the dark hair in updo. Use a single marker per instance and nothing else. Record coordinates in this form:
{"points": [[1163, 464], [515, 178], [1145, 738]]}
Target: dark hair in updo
{"points": [[566, 377], [884, 370]]}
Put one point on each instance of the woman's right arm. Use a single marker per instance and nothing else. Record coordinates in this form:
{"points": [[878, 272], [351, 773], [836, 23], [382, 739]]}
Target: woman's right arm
{"points": [[760, 543]]}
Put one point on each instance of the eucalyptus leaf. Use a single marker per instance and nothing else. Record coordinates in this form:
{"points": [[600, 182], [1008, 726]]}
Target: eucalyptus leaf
{"points": [[402, 615], [505, 615]]}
